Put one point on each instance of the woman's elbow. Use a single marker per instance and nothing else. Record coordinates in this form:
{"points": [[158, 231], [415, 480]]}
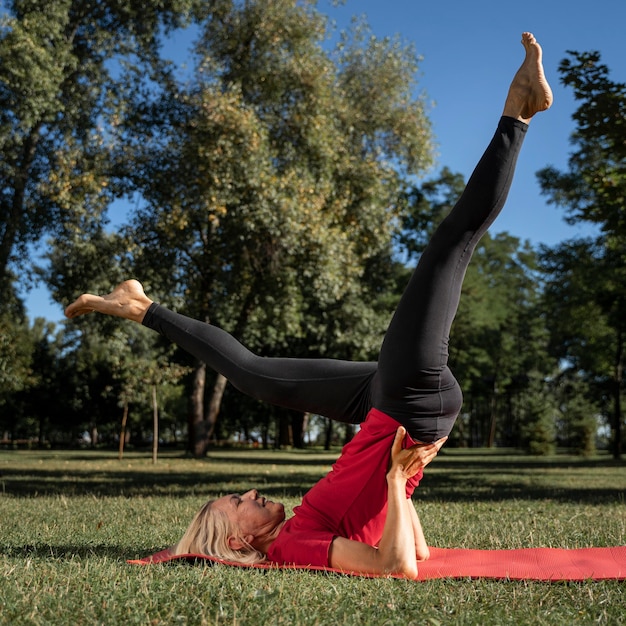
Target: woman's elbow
{"points": [[403, 567], [409, 571], [423, 554]]}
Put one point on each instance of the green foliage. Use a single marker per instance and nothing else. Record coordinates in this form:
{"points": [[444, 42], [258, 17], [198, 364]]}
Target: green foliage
{"points": [[269, 184], [578, 426], [594, 189], [591, 274], [426, 206], [584, 304], [273, 198], [62, 83], [266, 185], [58, 97], [16, 352], [33, 381], [538, 418]]}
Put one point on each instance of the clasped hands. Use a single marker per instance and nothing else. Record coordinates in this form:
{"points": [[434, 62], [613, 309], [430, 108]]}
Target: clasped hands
{"points": [[406, 462]]}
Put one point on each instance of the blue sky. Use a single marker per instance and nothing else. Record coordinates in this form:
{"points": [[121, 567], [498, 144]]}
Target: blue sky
{"points": [[470, 51]]}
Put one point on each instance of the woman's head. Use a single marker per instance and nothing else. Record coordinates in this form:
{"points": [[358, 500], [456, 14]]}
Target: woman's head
{"points": [[235, 528]]}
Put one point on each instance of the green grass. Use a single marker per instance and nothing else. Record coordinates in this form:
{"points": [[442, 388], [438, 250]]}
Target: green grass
{"points": [[69, 520]]}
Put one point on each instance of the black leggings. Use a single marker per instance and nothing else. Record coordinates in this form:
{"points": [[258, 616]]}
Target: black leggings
{"points": [[411, 381]]}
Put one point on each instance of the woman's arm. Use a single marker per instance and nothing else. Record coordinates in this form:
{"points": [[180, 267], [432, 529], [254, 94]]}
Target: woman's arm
{"points": [[396, 552], [422, 552]]}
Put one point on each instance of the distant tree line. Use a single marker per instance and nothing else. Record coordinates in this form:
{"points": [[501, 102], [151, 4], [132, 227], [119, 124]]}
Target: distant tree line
{"points": [[271, 187]]}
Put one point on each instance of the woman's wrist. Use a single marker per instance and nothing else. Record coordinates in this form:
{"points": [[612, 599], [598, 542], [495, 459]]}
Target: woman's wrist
{"points": [[396, 476]]}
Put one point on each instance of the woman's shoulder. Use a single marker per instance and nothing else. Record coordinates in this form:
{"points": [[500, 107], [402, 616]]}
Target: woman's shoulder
{"points": [[300, 543]]}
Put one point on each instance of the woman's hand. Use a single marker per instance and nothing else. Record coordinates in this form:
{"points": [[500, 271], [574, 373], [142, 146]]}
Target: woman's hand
{"points": [[406, 462]]}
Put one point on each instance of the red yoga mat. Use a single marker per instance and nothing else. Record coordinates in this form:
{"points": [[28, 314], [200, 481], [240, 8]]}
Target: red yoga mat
{"points": [[547, 564]]}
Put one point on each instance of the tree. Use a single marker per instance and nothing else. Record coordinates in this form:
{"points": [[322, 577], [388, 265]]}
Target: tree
{"points": [[538, 410], [594, 190], [271, 182], [583, 303], [578, 425], [16, 374], [144, 369], [59, 93]]}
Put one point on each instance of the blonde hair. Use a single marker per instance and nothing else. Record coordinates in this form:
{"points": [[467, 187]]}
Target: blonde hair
{"points": [[208, 534]]}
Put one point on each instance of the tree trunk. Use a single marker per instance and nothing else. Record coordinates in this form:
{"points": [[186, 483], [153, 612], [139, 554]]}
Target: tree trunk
{"points": [[493, 406], [120, 455], [306, 435], [196, 411], [348, 434], [329, 434], [617, 401], [214, 405], [265, 431], [41, 435], [297, 428], [284, 438], [155, 425], [201, 430]]}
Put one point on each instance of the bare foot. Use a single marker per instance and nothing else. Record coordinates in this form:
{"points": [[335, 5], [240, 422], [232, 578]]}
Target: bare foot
{"points": [[127, 300], [529, 92]]}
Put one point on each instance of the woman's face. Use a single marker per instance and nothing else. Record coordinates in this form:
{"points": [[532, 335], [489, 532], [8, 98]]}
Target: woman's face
{"points": [[253, 515]]}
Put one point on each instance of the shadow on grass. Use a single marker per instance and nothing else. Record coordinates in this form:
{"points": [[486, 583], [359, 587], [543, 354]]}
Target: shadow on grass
{"points": [[33, 483], [70, 552], [476, 488], [305, 456], [524, 463], [455, 477]]}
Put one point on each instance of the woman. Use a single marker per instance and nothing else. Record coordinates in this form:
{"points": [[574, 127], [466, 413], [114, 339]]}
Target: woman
{"points": [[359, 517]]}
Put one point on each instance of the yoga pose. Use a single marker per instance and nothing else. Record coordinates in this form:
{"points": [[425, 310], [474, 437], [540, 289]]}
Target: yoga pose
{"points": [[360, 517]]}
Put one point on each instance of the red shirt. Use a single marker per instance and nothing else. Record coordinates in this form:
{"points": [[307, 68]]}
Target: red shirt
{"points": [[350, 501]]}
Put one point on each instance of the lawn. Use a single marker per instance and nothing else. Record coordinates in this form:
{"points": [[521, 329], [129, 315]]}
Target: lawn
{"points": [[70, 519]]}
